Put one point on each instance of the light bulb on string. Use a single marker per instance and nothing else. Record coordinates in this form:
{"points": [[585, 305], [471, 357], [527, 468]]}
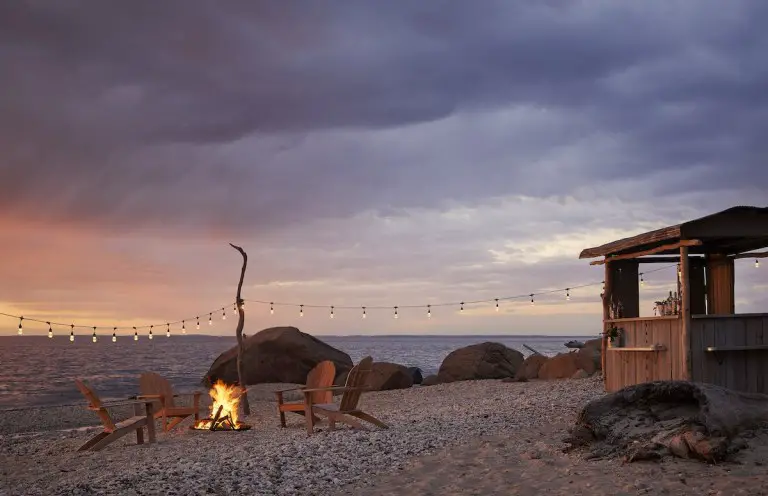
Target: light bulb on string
{"points": [[567, 294], [497, 304], [396, 316], [242, 303], [50, 331], [364, 314], [168, 331], [234, 308], [532, 302], [642, 281], [150, 332], [21, 328], [210, 319], [183, 328], [72, 333], [223, 314], [461, 306], [94, 334], [271, 308], [135, 334], [757, 263], [198, 324], [301, 310], [429, 311], [114, 335], [331, 312]]}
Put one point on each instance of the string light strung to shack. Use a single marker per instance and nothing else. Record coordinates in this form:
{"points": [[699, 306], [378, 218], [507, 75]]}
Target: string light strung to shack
{"points": [[21, 327], [94, 334], [114, 335], [50, 330], [72, 333]]}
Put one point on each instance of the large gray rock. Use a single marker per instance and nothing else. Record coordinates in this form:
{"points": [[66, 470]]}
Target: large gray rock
{"points": [[480, 361], [277, 354], [385, 376]]}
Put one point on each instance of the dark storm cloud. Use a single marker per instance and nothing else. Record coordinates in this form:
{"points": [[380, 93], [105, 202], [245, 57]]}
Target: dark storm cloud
{"points": [[263, 113]]}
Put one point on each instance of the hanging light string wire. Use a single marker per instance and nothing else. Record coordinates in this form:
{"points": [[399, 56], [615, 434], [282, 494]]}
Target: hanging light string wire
{"points": [[452, 304], [302, 306]]}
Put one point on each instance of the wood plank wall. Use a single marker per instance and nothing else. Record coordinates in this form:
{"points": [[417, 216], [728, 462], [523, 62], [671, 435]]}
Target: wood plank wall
{"points": [[720, 285], [625, 368], [742, 370]]}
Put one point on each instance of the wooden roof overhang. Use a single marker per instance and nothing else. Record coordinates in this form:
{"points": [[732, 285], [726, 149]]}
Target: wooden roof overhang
{"points": [[732, 232]]}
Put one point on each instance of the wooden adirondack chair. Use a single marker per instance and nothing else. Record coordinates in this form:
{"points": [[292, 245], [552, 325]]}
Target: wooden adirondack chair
{"points": [[155, 387], [112, 430], [319, 377], [348, 407]]}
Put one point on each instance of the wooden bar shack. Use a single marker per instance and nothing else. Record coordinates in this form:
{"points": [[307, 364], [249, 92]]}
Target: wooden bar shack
{"points": [[698, 335]]}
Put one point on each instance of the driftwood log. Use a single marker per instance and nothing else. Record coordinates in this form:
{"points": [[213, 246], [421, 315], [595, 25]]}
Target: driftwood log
{"points": [[239, 332], [668, 418]]}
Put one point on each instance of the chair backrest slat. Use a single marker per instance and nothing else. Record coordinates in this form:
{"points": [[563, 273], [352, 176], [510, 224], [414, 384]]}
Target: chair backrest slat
{"points": [[152, 383], [322, 376], [95, 403], [357, 379]]}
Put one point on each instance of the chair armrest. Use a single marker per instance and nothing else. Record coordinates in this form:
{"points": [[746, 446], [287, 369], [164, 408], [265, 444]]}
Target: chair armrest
{"points": [[117, 403], [149, 397], [336, 388], [194, 393]]}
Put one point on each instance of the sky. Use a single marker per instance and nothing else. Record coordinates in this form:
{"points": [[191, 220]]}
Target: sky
{"points": [[364, 153]]}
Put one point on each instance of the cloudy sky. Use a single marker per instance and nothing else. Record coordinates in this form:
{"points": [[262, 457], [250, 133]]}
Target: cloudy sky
{"points": [[364, 153]]}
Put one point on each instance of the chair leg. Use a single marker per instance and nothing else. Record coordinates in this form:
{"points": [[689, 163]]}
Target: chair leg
{"points": [[176, 421], [140, 435], [95, 439], [282, 418], [108, 439], [370, 418]]}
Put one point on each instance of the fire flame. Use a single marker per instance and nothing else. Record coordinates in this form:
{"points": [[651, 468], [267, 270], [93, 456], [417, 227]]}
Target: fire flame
{"points": [[224, 396]]}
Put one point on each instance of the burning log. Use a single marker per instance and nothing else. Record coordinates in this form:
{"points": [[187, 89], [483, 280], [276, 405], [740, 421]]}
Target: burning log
{"points": [[216, 417], [226, 399]]}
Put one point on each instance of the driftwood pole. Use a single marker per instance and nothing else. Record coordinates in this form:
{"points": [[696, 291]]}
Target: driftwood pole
{"points": [[239, 332]]}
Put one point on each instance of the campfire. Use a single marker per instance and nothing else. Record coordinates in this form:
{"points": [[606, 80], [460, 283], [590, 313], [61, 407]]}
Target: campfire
{"points": [[223, 416]]}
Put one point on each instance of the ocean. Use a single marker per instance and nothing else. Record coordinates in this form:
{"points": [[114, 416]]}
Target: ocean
{"points": [[37, 371]]}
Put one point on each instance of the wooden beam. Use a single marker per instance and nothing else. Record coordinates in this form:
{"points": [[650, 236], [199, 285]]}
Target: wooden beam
{"points": [[672, 246], [763, 254], [608, 283], [669, 259], [685, 314]]}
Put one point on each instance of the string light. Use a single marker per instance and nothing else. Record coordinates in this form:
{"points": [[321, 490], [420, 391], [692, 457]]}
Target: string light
{"points": [[135, 334], [168, 331], [150, 332], [642, 281], [301, 310], [21, 328], [50, 330], [497, 304], [72, 333], [567, 294], [757, 263], [234, 309], [331, 312], [396, 316], [223, 314], [114, 335], [210, 319], [532, 299], [183, 328], [461, 307], [429, 311], [94, 334], [198, 324], [364, 314]]}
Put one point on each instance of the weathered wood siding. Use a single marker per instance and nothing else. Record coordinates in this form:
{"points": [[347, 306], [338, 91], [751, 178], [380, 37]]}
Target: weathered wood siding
{"points": [[720, 284], [741, 370], [625, 368]]}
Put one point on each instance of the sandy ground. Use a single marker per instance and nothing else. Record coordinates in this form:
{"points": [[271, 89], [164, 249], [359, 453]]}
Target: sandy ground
{"points": [[484, 437]]}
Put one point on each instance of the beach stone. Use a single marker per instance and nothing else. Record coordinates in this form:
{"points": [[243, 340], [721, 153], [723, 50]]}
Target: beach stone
{"points": [[480, 361], [565, 365], [430, 380], [416, 374], [530, 367], [386, 376], [593, 349], [580, 374], [277, 355]]}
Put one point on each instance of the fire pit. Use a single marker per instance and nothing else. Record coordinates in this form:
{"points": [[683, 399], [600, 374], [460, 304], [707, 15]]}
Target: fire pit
{"points": [[226, 400]]}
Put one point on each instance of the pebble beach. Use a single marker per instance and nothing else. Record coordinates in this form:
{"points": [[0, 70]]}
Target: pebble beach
{"points": [[478, 437]]}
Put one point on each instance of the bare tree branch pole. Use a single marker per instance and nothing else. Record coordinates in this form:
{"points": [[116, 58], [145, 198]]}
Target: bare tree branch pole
{"points": [[239, 332]]}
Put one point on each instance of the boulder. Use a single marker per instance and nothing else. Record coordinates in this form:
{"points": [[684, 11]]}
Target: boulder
{"points": [[430, 380], [480, 361], [530, 367], [565, 365], [580, 374], [416, 374], [594, 349], [277, 354], [385, 376]]}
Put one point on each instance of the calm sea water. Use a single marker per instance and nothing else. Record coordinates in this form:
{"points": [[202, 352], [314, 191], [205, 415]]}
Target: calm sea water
{"points": [[35, 370]]}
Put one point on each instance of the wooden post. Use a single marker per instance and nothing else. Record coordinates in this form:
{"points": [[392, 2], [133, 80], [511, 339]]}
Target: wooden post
{"points": [[685, 313], [606, 316], [239, 332]]}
